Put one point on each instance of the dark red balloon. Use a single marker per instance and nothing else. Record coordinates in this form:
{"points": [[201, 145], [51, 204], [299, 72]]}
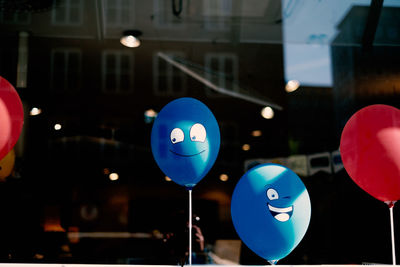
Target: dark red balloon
{"points": [[370, 150], [11, 117]]}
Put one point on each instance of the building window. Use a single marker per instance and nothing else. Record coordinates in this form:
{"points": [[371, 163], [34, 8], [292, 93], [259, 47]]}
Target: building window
{"points": [[66, 69], [20, 18], [119, 12], [67, 13], [217, 13], [167, 79], [222, 70], [164, 17], [117, 71]]}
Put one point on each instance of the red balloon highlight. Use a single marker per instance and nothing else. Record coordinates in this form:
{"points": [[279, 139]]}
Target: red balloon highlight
{"points": [[370, 151], [11, 117]]}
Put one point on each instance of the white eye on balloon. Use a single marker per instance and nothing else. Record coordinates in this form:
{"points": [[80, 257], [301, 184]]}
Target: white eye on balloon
{"points": [[198, 133], [272, 194], [177, 135]]}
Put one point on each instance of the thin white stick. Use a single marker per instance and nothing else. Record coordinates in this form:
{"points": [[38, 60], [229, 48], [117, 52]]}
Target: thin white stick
{"points": [[190, 227], [392, 232]]}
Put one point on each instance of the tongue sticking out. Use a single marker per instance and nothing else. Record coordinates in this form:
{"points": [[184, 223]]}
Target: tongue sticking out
{"points": [[283, 217], [281, 214]]}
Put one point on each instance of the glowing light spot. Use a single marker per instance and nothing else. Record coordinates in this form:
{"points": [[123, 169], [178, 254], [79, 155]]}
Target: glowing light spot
{"points": [[57, 126], [113, 176], [292, 86], [35, 111], [150, 113], [130, 41], [167, 179], [246, 147], [224, 177], [256, 133], [267, 113]]}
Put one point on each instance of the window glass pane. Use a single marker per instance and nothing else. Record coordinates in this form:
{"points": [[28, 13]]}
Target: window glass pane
{"points": [[110, 63], [228, 66], [106, 98], [162, 83], [125, 64], [111, 16], [23, 17], [58, 70], [124, 83], [9, 17], [74, 15], [125, 16], [176, 83], [73, 70], [60, 14], [111, 82], [74, 3], [111, 4], [73, 62], [125, 4], [214, 64], [72, 81], [162, 65]]}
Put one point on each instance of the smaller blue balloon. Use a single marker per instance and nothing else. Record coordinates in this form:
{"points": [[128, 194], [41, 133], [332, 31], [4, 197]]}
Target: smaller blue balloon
{"points": [[271, 210], [185, 140]]}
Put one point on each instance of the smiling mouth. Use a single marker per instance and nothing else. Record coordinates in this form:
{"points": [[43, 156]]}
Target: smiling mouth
{"points": [[183, 155], [281, 214]]}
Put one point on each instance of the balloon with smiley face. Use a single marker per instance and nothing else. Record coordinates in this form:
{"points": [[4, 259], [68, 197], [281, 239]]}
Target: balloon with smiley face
{"points": [[271, 210], [185, 141]]}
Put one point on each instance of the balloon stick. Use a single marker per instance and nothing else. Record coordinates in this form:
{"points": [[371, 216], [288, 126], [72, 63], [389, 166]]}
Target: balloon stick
{"points": [[391, 205], [190, 227]]}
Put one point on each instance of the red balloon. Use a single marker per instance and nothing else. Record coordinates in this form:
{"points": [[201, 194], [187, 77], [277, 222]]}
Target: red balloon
{"points": [[370, 150], [11, 117]]}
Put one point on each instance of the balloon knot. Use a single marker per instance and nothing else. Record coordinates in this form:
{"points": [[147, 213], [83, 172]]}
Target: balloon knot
{"points": [[390, 203]]}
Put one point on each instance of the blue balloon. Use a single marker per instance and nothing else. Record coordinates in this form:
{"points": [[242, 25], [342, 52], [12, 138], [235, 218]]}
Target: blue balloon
{"points": [[185, 140], [271, 210]]}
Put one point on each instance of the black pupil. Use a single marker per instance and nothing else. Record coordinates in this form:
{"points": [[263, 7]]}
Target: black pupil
{"points": [[173, 139]]}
